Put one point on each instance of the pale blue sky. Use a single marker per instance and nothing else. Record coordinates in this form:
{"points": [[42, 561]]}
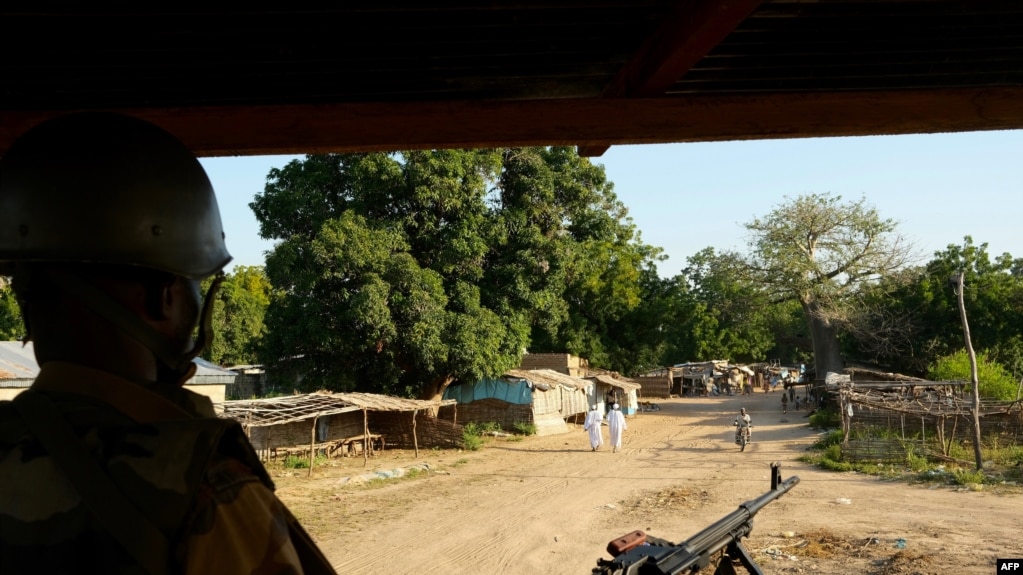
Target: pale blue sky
{"points": [[685, 197]]}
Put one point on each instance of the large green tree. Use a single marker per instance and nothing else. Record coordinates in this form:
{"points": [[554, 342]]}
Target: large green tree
{"points": [[405, 272], [238, 316], [923, 303], [11, 325], [569, 238], [819, 250]]}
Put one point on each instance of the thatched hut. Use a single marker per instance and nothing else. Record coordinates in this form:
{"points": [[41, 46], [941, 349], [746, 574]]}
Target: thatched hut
{"points": [[341, 423], [542, 397], [625, 389]]}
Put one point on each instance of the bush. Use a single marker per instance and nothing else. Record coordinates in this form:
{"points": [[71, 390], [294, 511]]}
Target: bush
{"points": [[967, 476], [829, 439], [471, 441], [480, 429], [296, 462], [825, 419], [524, 428], [995, 381]]}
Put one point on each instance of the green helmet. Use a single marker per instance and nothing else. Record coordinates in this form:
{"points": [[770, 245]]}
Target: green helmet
{"points": [[110, 189]]}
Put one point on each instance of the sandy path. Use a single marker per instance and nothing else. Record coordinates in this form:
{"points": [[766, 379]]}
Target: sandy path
{"points": [[550, 505]]}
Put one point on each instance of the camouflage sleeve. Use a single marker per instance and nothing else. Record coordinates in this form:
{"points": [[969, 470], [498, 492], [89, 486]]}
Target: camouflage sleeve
{"points": [[239, 528]]}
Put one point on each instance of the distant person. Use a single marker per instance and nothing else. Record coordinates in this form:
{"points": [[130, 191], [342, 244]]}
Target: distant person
{"points": [[592, 427], [785, 403], [610, 398], [742, 424], [615, 426]]}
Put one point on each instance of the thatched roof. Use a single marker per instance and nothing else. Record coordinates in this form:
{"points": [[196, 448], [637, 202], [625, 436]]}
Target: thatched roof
{"points": [[616, 382], [375, 402], [281, 410], [547, 378]]}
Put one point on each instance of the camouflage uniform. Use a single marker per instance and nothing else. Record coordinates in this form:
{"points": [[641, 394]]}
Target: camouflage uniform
{"points": [[191, 474]]}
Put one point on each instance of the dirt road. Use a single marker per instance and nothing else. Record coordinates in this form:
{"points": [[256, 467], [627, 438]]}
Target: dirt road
{"points": [[550, 505]]}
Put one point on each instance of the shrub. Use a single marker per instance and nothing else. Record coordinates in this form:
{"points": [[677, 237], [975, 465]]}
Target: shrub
{"points": [[995, 381], [825, 419], [967, 476], [829, 439], [471, 441], [524, 428], [296, 462]]}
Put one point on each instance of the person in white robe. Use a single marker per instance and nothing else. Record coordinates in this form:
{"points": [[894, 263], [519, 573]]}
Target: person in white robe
{"points": [[615, 426], [592, 426]]}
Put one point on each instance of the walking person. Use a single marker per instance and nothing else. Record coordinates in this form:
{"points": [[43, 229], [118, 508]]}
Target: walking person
{"points": [[784, 403], [615, 426], [592, 427]]}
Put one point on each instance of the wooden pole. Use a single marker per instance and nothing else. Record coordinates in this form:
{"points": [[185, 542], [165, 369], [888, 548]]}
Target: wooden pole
{"points": [[312, 447], [365, 437], [960, 287], [415, 440]]}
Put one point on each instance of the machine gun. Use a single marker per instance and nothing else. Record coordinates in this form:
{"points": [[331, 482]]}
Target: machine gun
{"points": [[640, 554]]}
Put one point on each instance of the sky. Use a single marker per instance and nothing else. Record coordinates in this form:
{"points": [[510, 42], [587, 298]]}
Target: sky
{"points": [[686, 197]]}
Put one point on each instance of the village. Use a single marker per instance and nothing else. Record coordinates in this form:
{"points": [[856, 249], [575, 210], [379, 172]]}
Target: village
{"points": [[359, 468]]}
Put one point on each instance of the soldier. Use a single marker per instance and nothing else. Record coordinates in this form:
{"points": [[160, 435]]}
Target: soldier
{"points": [[107, 225]]}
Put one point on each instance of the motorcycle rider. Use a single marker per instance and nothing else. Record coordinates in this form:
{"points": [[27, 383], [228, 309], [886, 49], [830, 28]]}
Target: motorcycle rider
{"points": [[742, 424]]}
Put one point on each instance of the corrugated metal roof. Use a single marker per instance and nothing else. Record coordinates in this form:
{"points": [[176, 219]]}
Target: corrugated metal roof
{"points": [[18, 362]]}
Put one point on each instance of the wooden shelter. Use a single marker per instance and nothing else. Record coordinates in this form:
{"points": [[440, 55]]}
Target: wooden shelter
{"points": [[340, 423], [656, 383], [627, 391], [362, 75], [542, 397]]}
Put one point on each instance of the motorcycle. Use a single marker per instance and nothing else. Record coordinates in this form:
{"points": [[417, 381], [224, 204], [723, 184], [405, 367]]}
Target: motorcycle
{"points": [[743, 435]]}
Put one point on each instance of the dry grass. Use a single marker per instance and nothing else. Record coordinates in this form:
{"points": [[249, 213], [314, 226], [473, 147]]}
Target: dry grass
{"points": [[670, 499], [906, 563]]}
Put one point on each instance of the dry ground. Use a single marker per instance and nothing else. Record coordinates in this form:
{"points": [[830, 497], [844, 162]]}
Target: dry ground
{"points": [[550, 505]]}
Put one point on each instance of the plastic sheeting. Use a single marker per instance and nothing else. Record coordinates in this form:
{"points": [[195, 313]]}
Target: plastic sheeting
{"points": [[516, 392]]}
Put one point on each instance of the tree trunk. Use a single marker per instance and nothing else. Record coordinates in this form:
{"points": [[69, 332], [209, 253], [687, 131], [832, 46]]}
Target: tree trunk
{"points": [[973, 373], [434, 389], [826, 355]]}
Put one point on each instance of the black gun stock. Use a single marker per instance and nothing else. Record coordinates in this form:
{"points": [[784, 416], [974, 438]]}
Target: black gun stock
{"points": [[639, 554]]}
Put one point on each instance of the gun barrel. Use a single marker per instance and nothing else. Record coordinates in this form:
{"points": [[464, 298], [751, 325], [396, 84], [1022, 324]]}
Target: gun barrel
{"points": [[695, 553], [736, 524]]}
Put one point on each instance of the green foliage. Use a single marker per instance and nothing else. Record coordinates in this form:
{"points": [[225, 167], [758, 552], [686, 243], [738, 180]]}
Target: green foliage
{"points": [[401, 273], [829, 439], [296, 462], [471, 441], [962, 476], [925, 302], [12, 328], [524, 427], [238, 316], [995, 382], [825, 419], [818, 250], [1003, 467], [480, 429]]}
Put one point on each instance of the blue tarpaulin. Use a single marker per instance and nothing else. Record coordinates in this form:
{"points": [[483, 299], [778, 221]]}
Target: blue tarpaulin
{"points": [[518, 392]]}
